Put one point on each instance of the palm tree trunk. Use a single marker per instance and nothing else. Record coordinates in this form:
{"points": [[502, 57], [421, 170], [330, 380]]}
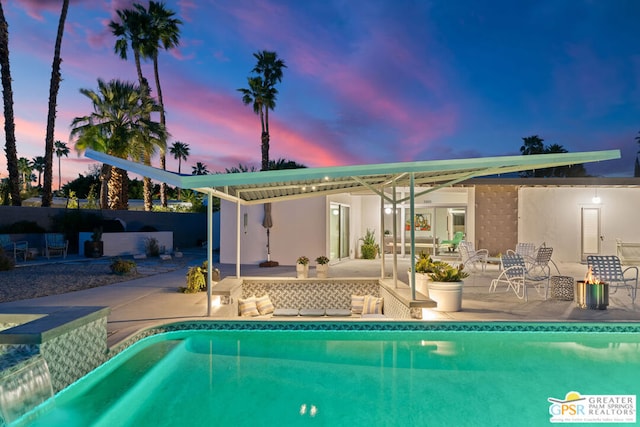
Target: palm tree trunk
{"points": [[115, 188], [163, 154], [59, 173], [9, 124], [47, 196], [105, 176]]}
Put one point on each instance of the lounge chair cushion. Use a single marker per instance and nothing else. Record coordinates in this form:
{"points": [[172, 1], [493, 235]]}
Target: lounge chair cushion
{"points": [[312, 311], [338, 312], [264, 304], [372, 305], [248, 307], [285, 312], [357, 302]]}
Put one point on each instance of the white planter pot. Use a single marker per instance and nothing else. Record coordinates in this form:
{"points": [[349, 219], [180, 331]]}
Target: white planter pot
{"points": [[322, 271], [447, 295], [302, 271], [422, 282]]}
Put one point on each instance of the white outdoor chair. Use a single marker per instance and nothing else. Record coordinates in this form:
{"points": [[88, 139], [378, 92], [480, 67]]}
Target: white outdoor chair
{"points": [[55, 244], [16, 248], [515, 275], [526, 250], [608, 269], [470, 256]]}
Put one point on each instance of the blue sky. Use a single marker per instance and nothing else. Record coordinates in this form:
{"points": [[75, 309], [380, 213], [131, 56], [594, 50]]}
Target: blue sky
{"points": [[367, 81]]}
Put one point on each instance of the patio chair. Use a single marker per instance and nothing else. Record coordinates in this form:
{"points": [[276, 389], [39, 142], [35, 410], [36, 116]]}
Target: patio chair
{"points": [[539, 269], [526, 250], [515, 275], [16, 248], [55, 244], [452, 244], [608, 269], [470, 256]]}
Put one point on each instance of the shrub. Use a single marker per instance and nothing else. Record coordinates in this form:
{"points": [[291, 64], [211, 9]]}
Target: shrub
{"points": [[369, 248], [152, 247], [197, 278], [22, 227], [122, 266]]}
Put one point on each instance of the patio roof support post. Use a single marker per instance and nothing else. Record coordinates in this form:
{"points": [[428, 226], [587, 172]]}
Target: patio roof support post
{"points": [[412, 234], [209, 249], [395, 235], [238, 239], [382, 258]]}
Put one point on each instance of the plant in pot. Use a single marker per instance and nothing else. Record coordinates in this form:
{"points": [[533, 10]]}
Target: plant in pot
{"points": [[322, 267], [94, 248], [302, 267], [423, 267], [446, 285], [369, 248]]}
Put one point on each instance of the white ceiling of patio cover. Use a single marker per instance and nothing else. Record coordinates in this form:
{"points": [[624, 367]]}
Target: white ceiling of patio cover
{"points": [[278, 185]]}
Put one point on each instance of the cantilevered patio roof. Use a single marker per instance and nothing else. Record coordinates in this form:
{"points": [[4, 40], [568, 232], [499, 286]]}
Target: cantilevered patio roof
{"points": [[287, 184]]}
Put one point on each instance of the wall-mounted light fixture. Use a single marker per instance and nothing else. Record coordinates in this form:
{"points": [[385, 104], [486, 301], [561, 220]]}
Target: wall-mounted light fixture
{"points": [[246, 222], [595, 198]]}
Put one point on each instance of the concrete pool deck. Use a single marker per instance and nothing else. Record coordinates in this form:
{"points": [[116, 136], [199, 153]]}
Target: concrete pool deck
{"points": [[144, 302]]}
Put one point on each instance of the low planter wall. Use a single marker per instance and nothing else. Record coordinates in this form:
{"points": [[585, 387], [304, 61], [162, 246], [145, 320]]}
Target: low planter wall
{"points": [[129, 243]]}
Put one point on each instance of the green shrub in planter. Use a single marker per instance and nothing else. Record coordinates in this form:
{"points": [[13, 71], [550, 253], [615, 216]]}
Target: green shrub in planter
{"points": [[197, 278], [369, 248]]}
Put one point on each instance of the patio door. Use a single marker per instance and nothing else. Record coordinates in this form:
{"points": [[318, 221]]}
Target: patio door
{"points": [[590, 232], [338, 231]]}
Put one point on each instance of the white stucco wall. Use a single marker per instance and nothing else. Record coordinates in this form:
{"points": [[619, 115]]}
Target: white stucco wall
{"points": [[299, 228], [553, 216]]}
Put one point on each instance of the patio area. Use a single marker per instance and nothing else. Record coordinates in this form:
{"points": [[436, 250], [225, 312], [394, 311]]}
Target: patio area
{"points": [[153, 300]]}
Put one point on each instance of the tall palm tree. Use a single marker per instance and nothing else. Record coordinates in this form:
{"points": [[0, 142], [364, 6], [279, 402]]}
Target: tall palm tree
{"points": [[26, 168], [131, 32], [262, 92], [47, 195], [180, 151], [61, 149], [38, 165], [9, 123], [199, 169], [120, 125], [164, 33]]}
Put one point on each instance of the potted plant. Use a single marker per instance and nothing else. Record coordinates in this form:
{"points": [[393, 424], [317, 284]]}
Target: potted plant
{"points": [[94, 248], [446, 285], [322, 267], [423, 267], [302, 267], [369, 248]]}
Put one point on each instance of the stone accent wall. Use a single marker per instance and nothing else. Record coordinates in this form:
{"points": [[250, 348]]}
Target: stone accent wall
{"points": [[496, 219]]}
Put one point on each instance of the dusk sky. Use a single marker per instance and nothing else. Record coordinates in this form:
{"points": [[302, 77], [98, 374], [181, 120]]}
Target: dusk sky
{"points": [[367, 81]]}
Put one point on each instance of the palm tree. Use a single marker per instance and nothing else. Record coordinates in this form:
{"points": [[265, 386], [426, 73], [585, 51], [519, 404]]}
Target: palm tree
{"points": [[120, 125], [199, 169], [262, 94], [9, 123], [131, 31], [26, 168], [61, 149], [163, 32], [38, 164], [180, 151], [47, 195]]}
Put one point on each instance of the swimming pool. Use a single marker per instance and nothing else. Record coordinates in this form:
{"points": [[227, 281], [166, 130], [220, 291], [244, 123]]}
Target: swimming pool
{"points": [[256, 373]]}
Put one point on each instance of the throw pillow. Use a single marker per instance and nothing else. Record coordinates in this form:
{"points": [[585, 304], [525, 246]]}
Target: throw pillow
{"points": [[372, 305], [264, 304], [357, 301], [248, 307]]}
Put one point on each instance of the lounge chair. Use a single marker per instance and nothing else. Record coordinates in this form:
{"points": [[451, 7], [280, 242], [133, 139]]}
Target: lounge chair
{"points": [[471, 256], [16, 248], [608, 269], [55, 244], [516, 276], [452, 244]]}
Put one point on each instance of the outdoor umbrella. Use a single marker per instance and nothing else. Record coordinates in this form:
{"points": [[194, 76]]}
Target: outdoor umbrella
{"points": [[267, 223]]}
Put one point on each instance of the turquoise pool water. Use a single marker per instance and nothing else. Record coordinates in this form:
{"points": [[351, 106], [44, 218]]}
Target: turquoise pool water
{"points": [[348, 378]]}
